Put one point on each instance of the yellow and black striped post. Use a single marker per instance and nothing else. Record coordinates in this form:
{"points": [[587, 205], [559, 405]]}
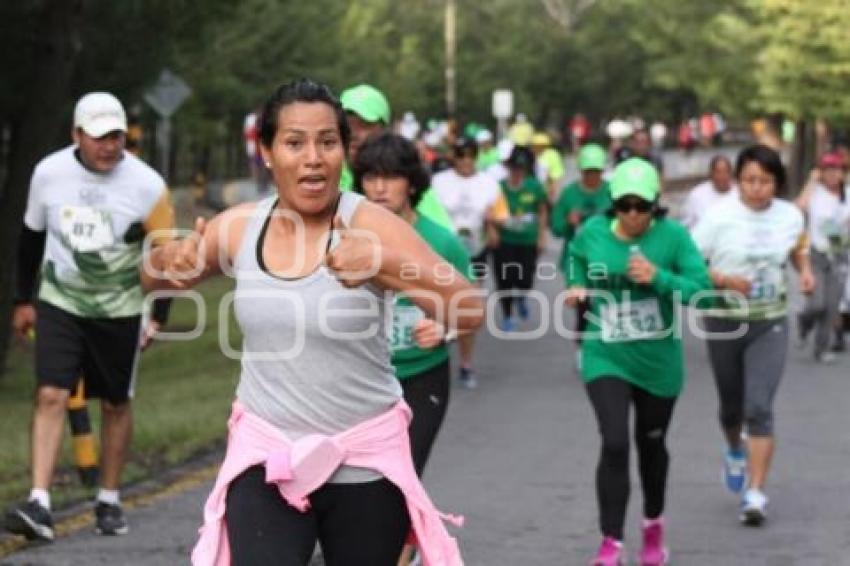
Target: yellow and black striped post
{"points": [[85, 453]]}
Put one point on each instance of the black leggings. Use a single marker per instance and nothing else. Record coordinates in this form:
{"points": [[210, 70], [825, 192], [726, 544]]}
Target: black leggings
{"points": [[356, 524], [610, 397], [427, 394], [514, 266]]}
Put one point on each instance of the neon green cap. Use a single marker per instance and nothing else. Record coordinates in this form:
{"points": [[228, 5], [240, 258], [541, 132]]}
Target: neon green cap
{"points": [[367, 102], [635, 176], [592, 156]]}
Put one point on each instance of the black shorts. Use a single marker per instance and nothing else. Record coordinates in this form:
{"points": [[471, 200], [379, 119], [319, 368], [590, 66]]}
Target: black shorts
{"points": [[105, 351], [479, 265]]}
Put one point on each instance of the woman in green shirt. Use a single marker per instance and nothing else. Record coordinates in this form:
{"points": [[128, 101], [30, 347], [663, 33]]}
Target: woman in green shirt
{"points": [[579, 202], [521, 237], [633, 269], [390, 172]]}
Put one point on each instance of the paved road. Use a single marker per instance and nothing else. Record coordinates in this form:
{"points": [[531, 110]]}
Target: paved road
{"points": [[516, 457]]}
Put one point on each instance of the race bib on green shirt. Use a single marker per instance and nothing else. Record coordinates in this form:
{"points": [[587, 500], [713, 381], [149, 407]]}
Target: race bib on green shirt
{"points": [[631, 320], [405, 318]]}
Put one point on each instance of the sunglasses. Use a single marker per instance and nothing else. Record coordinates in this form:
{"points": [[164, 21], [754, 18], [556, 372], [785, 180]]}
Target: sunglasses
{"points": [[626, 205]]}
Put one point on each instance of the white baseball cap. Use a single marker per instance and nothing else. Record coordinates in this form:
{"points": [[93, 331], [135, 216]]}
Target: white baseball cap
{"points": [[99, 113]]}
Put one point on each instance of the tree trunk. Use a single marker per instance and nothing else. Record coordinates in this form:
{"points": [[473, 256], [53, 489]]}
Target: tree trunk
{"points": [[802, 156], [34, 133]]}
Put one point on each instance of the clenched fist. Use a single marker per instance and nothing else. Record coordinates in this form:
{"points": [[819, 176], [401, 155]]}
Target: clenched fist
{"points": [[356, 257]]}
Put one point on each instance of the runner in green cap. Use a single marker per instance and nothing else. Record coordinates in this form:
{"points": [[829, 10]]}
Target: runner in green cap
{"points": [[633, 269], [368, 113], [579, 201]]}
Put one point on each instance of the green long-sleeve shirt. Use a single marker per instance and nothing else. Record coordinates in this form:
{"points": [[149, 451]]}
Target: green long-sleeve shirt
{"points": [[574, 198], [634, 330]]}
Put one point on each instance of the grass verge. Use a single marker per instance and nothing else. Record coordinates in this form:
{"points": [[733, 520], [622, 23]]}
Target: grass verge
{"points": [[182, 401]]}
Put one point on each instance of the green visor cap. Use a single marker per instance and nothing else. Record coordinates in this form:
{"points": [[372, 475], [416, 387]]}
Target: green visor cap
{"points": [[637, 177], [592, 156], [367, 102]]}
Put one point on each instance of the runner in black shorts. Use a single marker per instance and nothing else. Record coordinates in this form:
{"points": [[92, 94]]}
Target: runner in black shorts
{"points": [[90, 207]]}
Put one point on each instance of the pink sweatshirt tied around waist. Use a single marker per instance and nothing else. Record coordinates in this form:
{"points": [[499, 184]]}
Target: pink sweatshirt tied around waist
{"points": [[299, 468]]}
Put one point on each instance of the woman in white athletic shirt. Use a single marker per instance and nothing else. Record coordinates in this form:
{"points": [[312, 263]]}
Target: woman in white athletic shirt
{"points": [[747, 242]]}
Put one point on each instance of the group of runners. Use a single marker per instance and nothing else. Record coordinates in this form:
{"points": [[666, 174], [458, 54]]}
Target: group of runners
{"points": [[328, 446]]}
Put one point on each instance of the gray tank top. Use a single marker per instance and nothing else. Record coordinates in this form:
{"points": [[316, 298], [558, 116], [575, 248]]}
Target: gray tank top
{"points": [[315, 354]]}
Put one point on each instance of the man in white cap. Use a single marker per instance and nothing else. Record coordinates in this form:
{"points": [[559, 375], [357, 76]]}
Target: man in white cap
{"points": [[91, 206]]}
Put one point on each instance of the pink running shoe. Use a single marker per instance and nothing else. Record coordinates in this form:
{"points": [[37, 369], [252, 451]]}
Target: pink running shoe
{"points": [[610, 553], [653, 553]]}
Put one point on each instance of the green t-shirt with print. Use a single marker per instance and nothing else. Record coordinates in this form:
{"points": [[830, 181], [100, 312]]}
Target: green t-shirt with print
{"points": [[524, 202], [575, 197], [408, 358], [633, 329]]}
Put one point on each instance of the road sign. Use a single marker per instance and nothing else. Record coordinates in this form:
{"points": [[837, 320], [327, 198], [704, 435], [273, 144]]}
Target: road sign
{"points": [[503, 103], [169, 92]]}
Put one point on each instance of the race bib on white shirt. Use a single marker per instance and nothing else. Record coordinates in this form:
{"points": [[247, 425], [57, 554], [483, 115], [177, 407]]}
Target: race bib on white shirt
{"points": [[768, 285], [631, 320], [86, 229]]}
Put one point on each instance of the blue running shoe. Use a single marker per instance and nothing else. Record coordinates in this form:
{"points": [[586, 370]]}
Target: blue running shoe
{"points": [[468, 379], [508, 324], [522, 306], [735, 471]]}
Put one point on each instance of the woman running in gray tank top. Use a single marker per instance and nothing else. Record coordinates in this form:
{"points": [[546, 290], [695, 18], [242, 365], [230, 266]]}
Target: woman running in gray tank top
{"points": [[317, 450]]}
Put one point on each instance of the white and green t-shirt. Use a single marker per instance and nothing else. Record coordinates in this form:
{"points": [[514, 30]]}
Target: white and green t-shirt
{"points": [[469, 200], [95, 226], [739, 241]]}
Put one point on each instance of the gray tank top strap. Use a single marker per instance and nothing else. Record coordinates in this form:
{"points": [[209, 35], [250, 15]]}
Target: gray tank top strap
{"points": [[347, 206], [246, 257]]}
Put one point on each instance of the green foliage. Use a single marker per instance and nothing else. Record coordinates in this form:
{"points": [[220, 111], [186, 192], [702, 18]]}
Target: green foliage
{"points": [[804, 68]]}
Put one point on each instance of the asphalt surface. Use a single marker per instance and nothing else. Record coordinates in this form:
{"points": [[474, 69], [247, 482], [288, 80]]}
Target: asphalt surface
{"points": [[516, 457]]}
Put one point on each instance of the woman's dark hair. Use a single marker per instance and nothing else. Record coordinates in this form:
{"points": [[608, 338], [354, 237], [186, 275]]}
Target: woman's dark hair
{"points": [[521, 158], [301, 90], [768, 159], [391, 155], [717, 160]]}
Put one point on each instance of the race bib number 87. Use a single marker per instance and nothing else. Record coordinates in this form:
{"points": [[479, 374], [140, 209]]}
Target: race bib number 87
{"points": [[86, 229]]}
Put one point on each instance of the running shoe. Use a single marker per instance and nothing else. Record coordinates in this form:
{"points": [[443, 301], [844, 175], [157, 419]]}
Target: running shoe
{"points": [[508, 324], [653, 552], [109, 519], [753, 506], [522, 306], [467, 378], [31, 520], [735, 471], [610, 553]]}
